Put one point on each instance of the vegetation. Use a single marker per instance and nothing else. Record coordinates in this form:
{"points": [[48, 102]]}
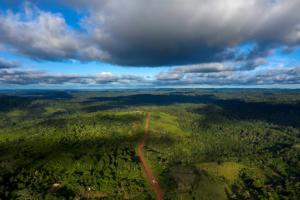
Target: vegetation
{"points": [[203, 144]]}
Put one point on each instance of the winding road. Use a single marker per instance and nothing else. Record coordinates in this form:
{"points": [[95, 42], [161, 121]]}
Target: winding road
{"points": [[149, 174]]}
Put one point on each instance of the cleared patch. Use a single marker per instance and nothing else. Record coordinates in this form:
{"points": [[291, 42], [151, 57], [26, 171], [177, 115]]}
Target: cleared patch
{"points": [[228, 170]]}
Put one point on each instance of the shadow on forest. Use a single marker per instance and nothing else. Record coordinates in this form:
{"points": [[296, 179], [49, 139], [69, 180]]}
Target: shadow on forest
{"points": [[34, 162], [216, 109], [41, 156], [38, 152], [10, 101], [278, 114], [143, 100], [232, 109], [152, 99]]}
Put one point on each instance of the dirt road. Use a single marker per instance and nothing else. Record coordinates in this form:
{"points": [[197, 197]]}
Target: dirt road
{"points": [[149, 174]]}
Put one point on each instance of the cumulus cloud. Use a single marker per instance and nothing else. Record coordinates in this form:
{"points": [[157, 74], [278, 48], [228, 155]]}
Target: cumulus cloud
{"points": [[175, 32], [266, 76], [156, 32], [44, 36], [178, 72], [8, 64], [29, 77]]}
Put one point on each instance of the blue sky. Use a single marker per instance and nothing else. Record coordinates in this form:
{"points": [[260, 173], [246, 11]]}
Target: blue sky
{"points": [[121, 44]]}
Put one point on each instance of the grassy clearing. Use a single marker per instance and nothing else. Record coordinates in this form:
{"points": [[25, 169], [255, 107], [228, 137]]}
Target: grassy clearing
{"points": [[210, 189], [54, 110], [296, 146], [227, 170], [16, 113], [161, 121]]}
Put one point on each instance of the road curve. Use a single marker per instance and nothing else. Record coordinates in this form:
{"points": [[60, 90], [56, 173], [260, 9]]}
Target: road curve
{"points": [[149, 174]]}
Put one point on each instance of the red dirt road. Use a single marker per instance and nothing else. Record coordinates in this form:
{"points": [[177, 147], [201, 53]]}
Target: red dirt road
{"points": [[149, 174]]}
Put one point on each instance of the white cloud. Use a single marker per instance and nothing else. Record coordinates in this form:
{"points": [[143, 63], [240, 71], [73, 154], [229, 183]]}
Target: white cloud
{"points": [[44, 35]]}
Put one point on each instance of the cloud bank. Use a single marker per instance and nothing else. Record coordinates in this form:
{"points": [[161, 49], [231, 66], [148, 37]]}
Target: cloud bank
{"points": [[32, 77], [154, 32], [217, 74], [279, 75]]}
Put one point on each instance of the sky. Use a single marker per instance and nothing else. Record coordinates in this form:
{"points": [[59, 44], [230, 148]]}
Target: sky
{"points": [[103, 44]]}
